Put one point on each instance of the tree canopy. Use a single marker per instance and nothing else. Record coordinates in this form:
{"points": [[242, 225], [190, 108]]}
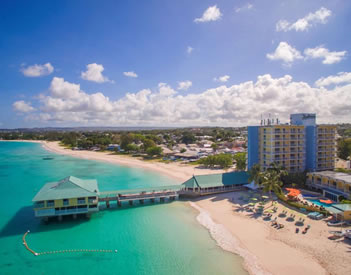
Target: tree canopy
{"points": [[240, 159]]}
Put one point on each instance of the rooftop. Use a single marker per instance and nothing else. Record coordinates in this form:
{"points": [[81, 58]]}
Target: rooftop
{"points": [[335, 175], [69, 187], [216, 180], [339, 208]]}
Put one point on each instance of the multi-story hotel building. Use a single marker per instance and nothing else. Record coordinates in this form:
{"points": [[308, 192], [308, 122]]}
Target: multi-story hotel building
{"points": [[298, 146]]}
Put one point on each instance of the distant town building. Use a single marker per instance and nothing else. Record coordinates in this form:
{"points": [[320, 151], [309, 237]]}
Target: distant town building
{"points": [[70, 196], [298, 146], [113, 147]]}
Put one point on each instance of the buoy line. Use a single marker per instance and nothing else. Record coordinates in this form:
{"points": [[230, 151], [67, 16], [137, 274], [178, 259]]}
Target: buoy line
{"points": [[64, 251]]}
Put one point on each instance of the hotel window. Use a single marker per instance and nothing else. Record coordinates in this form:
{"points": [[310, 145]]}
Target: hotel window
{"points": [[81, 200], [65, 202], [39, 204], [50, 203]]}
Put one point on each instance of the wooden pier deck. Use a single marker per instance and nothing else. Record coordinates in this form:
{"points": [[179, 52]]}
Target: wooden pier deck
{"points": [[131, 195]]}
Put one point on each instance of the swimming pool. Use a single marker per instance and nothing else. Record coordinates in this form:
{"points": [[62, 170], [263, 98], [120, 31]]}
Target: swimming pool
{"points": [[317, 202]]}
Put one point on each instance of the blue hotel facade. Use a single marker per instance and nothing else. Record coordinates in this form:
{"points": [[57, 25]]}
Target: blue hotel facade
{"points": [[298, 146]]}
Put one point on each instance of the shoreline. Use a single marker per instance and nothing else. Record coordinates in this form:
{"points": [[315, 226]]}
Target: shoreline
{"points": [[180, 172], [239, 233]]}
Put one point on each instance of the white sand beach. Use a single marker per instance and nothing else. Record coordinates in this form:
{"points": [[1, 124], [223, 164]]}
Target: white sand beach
{"points": [[265, 249], [276, 251], [175, 170]]}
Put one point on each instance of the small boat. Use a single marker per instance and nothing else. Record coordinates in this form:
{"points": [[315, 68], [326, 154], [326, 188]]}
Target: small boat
{"points": [[48, 158], [336, 223], [344, 233]]}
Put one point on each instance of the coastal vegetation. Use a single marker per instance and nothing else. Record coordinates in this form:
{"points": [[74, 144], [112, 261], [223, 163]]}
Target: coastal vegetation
{"points": [[221, 160], [344, 148], [240, 160]]}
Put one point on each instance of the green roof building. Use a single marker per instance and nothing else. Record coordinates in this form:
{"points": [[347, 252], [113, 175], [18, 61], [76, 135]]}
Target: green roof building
{"points": [[69, 196], [215, 183], [340, 211]]}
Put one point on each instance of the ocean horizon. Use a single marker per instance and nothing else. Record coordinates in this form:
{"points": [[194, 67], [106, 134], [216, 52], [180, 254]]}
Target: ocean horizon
{"points": [[150, 239]]}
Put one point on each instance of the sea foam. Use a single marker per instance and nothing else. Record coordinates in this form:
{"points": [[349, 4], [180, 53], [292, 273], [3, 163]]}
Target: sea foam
{"points": [[227, 241]]}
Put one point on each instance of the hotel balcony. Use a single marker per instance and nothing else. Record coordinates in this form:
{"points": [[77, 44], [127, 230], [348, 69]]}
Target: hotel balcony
{"points": [[343, 192]]}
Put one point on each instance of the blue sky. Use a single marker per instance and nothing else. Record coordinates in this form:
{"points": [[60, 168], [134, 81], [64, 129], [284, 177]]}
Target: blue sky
{"points": [[185, 62]]}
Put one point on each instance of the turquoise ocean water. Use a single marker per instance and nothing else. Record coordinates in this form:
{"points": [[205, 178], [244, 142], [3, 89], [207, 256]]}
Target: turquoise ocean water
{"points": [[150, 239]]}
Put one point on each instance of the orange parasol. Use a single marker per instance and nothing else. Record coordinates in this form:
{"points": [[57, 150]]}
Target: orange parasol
{"points": [[293, 192], [326, 201]]}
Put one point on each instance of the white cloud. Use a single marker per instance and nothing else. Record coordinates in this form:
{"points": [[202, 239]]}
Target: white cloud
{"points": [[228, 106], [130, 74], [189, 50], [340, 78], [328, 57], [303, 24], [223, 78], [211, 14], [37, 70], [184, 85], [286, 53], [94, 73], [246, 7], [22, 106]]}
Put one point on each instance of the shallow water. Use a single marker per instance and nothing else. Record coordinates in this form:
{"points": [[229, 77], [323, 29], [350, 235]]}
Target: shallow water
{"points": [[150, 239]]}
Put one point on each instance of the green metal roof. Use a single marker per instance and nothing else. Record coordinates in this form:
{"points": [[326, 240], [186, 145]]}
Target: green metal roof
{"points": [[333, 210], [69, 187], [342, 206], [215, 180]]}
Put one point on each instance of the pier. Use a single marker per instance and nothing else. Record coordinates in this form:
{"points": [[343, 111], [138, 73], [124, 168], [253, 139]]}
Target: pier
{"points": [[141, 195], [74, 196]]}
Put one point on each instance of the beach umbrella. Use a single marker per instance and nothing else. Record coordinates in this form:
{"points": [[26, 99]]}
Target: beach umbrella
{"points": [[264, 197], [251, 204], [254, 199]]}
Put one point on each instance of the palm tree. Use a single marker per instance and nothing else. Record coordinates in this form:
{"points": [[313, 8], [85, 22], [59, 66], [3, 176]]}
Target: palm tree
{"points": [[277, 168], [271, 182], [255, 174]]}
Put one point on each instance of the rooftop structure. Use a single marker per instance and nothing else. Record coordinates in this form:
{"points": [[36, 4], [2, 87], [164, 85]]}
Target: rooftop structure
{"points": [[215, 183], [300, 146], [334, 185], [68, 196]]}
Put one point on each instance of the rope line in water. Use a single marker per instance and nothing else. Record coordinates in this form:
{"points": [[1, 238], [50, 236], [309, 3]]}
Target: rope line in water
{"points": [[64, 251]]}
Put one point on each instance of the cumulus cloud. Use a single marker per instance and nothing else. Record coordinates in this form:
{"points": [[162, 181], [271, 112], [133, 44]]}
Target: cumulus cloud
{"points": [[223, 78], [37, 70], [184, 85], [286, 53], [228, 106], [340, 78], [211, 14], [189, 50], [246, 7], [130, 74], [94, 73], [303, 24], [22, 106], [327, 56]]}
